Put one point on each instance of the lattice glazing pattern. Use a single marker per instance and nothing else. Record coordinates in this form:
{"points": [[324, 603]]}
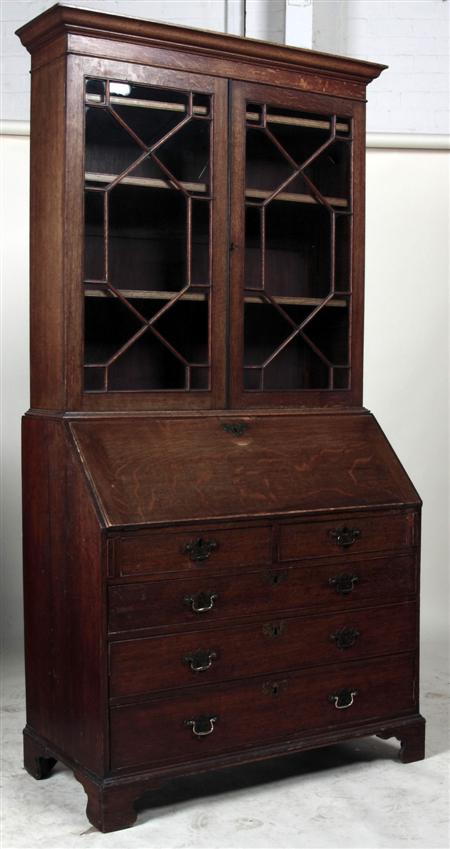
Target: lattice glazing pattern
{"points": [[297, 290], [147, 277]]}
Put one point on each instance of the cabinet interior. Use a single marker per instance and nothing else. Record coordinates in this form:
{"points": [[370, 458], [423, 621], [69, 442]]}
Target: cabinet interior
{"points": [[149, 243]]}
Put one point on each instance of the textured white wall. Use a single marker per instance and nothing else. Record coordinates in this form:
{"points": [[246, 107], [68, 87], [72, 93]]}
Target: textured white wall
{"points": [[16, 60], [413, 38]]}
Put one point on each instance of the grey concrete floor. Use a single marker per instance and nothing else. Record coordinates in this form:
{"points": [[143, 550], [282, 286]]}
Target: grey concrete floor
{"points": [[352, 795]]}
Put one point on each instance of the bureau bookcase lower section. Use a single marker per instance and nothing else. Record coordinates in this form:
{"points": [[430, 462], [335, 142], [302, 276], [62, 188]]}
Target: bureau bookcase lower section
{"points": [[205, 644]]}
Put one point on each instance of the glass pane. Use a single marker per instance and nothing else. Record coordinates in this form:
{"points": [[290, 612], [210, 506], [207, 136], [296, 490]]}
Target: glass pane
{"points": [[297, 367], [147, 365], [200, 378], [108, 325], [264, 331], [297, 249], [185, 327], [253, 252], [200, 240], [147, 237], [95, 379], [327, 329], [94, 259]]}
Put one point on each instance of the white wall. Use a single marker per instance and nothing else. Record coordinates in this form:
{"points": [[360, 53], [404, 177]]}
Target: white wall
{"points": [[413, 38], [407, 340], [16, 60], [406, 346]]}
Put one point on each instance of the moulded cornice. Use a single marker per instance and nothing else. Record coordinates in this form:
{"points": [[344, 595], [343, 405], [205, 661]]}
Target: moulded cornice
{"points": [[62, 19]]}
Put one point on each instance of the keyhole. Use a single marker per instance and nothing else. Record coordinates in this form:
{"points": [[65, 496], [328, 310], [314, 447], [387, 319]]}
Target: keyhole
{"points": [[276, 630], [275, 689], [275, 579]]}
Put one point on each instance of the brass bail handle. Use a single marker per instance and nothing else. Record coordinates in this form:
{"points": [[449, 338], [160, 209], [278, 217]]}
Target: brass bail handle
{"points": [[200, 549], [202, 602], [201, 726], [345, 537], [343, 699], [200, 660]]}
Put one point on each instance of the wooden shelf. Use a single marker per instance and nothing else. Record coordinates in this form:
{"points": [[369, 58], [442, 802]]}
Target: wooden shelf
{"points": [[148, 182], [292, 197], [151, 295], [200, 296], [154, 183], [160, 105], [289, 300], [287, 120]]}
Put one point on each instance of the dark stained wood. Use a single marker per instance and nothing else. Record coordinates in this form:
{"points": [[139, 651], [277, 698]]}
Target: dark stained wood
{"points": [[64, 600], [164, 552], [37, 760], [181, 470], [260, 710], [321, 538], [47, 255], [274, 591], [270, 537], [412, 740], [159, 663], [235, 68]]}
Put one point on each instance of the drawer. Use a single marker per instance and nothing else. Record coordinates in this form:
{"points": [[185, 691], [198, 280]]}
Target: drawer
{"points": [[335, 585], [195, 550], [260, 711], [344, 535], [149, 664]]}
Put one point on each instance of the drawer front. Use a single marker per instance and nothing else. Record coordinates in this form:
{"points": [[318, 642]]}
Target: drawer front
{"points": [[346, 535], [260, 711], [202, 657], [205, 600], [198, 550]]}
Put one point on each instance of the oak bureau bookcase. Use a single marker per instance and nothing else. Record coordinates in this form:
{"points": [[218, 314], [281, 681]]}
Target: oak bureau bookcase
{"points": [[221, 547]]}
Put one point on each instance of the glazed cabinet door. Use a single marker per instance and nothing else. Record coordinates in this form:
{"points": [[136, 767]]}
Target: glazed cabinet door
{"points": [[149, 279], [297, 248]]}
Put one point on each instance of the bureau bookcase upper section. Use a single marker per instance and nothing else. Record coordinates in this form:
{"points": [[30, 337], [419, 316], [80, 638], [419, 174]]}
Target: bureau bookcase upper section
{"points": [[197, 218]]}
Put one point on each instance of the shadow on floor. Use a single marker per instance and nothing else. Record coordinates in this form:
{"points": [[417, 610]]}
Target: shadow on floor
{"points": [[258, 774]]}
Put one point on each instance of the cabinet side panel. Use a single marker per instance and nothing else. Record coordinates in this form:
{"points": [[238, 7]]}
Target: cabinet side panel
{"points": [[63, 598], [46, 236]]}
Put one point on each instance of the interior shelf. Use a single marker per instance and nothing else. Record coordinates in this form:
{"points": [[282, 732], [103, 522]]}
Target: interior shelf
{"points": [[202, 110], [201, 296], [154, 183], [149, 182], [292, 197]]}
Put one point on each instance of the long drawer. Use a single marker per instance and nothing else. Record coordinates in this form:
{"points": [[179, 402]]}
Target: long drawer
{"points": [[346, 534], [204, 721], [205, 599], [148, 664]]}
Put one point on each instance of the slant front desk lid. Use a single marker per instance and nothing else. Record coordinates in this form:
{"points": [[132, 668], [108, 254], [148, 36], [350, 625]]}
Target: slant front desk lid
{"points": [[149, 470]]}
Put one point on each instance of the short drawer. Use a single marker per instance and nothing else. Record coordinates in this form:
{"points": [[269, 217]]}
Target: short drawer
{"points": [[203, 721], [344, 535], [194, 550], [150, 664], [205, 600]]}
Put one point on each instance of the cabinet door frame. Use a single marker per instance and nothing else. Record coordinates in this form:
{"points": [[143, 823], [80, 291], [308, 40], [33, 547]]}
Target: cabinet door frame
{"points": [[241, 94], [79, 68]]}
